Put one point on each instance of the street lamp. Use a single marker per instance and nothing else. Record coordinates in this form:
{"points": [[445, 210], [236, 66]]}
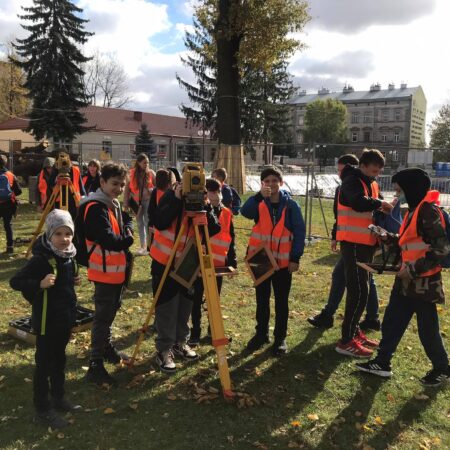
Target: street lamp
{"points": [[203, 133]]}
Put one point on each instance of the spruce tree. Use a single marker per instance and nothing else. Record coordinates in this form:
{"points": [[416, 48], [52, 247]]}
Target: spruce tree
{"points": [[51, 59], [144, 142]]}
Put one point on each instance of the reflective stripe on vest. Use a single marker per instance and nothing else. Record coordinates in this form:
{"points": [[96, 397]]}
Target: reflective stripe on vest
{"points": [[352, 225], [412, 245], [106, 266], [220, 242], [134, 188], [278, 237]]}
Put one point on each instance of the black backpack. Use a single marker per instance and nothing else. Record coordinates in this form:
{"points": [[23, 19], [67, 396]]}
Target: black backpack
{"points": [[79, 238]]}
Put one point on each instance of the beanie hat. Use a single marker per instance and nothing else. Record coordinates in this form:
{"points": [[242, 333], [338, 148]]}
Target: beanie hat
{"points": [[56, 219], [415, 184]]}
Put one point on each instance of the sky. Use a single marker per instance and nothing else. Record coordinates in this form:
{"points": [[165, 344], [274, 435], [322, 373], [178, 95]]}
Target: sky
{"points": [[359, 42]]}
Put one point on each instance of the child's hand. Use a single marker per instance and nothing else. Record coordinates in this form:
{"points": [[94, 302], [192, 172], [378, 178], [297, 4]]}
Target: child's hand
{"points": [[48, 281], [293, 267], [77, 280], [265, 191]]}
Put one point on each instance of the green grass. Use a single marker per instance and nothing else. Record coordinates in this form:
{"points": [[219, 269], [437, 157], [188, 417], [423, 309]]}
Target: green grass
{"points": [[354, 411]]}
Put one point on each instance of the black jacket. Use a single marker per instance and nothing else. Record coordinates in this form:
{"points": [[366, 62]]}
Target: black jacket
{"points": [[61, 307], [92, 183], [9, 207], [352, 191]]}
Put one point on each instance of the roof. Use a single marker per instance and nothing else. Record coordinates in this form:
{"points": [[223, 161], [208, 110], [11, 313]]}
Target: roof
{"points": [[354, 96], [122, 120]]}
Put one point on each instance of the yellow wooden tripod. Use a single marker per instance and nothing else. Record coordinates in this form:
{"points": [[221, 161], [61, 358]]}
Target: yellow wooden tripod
{"points": [[62, 189], [219, 341]]}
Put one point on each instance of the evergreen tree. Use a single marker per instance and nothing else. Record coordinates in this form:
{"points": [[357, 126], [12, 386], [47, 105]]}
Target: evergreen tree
{"points": [[144, 142], [440, 135], [51, 59]]}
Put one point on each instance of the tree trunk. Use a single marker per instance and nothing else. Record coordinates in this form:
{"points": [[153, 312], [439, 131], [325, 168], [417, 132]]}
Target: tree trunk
{"points": [[230, 154]]}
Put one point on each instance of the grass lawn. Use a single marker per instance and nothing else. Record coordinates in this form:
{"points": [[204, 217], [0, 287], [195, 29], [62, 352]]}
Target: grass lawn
{"points": [[311, 398]]}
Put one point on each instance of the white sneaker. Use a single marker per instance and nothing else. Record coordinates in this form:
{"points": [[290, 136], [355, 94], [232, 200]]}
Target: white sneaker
{"points": [[141, 252], [165, 362], [184, 351]]}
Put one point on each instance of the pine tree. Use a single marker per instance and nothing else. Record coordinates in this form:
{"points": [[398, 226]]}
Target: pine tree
{"points": [[51, 59], [144, 142]]}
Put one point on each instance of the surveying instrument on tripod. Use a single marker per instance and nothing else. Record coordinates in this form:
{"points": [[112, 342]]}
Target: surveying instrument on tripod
{"points": [[63, 188], [193, 195]]}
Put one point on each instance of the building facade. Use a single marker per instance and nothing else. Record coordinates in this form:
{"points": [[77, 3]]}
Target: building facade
{"points": [[377, 117]]}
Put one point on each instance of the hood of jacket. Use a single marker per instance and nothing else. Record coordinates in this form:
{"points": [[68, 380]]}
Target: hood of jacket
{"points": [[113, 204], [41, 247]]}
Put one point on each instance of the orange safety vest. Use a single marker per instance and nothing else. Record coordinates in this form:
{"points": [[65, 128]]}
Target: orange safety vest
{"points": [[220, 242], [277, 237], [106, 266], [163, 241], [10, 177], [352, 225], [42, 187], [412, 245], [134, 187], [84, 179]]}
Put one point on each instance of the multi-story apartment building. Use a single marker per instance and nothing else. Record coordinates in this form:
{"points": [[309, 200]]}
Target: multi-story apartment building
{"points": [[392, 116]]}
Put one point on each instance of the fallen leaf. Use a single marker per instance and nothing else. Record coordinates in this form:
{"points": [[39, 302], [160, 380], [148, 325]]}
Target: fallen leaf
{"points": [[85, 368], [299, 376], [27, 380], [378, 420], [2, 378], [295, 423], [358, 413], [171, 397], [390, 397], [313, 417], [60, 436], [133, 406], [421, 397], [109, 411]]}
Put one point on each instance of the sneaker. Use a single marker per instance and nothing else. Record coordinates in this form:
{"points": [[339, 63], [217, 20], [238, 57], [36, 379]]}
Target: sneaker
{"points": [[376, 368], [279, 348], [63, 405], [257, 341], [165, 362], [97, 374], [365, 341], [436, 377], [353, 348], [184, 351], [194, 338], [141, 252], [370, 325], [113, 356], [322, 320], [50, 419]]}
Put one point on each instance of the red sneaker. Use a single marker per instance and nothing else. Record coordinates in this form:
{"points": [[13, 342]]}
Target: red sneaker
{"points": [[353, 348], [365, 341]]}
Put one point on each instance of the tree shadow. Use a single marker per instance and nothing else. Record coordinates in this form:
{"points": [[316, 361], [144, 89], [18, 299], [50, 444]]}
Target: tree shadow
{"points": [[327, 260]]}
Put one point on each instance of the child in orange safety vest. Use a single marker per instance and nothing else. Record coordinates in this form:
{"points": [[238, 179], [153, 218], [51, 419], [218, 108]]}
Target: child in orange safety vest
{"points": [[224, 253], [278, 224]]}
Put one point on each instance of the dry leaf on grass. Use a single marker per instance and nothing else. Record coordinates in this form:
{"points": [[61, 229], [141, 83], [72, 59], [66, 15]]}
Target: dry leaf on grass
{"points": [[133, 406], [421, 397], [378, 421], [295, 423], [60, 436], [109, 411], [172, 397], [313, 417]]}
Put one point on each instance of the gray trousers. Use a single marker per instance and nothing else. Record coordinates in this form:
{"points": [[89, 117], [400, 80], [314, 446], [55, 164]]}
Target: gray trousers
{"points": [[107, 299], [172, 322], [142, 223]]}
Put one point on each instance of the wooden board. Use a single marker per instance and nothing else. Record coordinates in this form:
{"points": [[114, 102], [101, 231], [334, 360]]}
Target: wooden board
{"points": [[187, 266], [261, 264], [389, 270]]}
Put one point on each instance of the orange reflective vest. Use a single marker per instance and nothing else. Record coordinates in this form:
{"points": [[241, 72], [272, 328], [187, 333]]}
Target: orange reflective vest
{"points": [[42, 187], [84, 179], [10, 177], [352, 225], [106, 266], [159, 194], [412, 245], [134, 185], [277, 237], [220, 242], [163, 241]]}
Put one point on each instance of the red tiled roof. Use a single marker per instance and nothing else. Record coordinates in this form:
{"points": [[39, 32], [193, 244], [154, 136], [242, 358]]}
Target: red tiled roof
{"points": [[122, 120]]}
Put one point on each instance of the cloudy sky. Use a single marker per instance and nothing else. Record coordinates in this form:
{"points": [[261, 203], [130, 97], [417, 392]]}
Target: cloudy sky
{"points": [[355, 41]]}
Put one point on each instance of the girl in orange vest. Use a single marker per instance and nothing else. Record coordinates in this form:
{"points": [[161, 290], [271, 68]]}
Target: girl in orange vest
{"points": [[91, 181], [137, 192], [224, 253], [9, 189], [43, 187], [418, 285], [279, 224]]}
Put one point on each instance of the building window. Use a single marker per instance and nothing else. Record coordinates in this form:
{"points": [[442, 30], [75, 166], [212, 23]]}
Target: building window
{"points": [[367, 117], [16, 146], [385, 115], [396, 136], [354, 137], [366, 136], [383, 138], [300, 120], [397, 115], [107, 146], [355, 117]]}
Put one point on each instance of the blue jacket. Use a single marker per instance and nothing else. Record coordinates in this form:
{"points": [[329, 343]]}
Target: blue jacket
{"points": [[294, 219]]}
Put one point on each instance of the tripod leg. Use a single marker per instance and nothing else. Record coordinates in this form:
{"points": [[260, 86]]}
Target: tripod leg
{"points": [[48, 207], [321, 207], [219, 340], [151, 311]]}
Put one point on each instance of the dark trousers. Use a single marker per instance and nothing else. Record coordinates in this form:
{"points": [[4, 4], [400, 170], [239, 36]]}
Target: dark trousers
{"points": [[196, 316], [107, 299], [50, 360], [281, 281], [337, 291], [357, 284], [397, 316], [7, 218]]}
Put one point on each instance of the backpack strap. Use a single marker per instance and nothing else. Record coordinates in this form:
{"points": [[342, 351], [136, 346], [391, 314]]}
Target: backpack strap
{"points": [[52, 263]]}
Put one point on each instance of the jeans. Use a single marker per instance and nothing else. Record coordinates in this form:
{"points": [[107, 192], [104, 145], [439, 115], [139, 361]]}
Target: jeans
{"points": [[397, 316], [337, 291], [142, 222]]}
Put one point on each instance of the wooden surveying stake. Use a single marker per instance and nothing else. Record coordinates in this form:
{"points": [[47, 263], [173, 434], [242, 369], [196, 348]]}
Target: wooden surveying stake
{"points": [[219, 341]]}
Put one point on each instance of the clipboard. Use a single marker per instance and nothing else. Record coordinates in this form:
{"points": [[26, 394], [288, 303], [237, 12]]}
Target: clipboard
{"points": [[187, 267], [261, 264]]}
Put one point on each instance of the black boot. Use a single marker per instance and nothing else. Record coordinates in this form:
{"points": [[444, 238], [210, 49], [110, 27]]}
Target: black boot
{"points": [[370, 325], [257, 341], [50, 419], [322, 320], [97, 373], [113, 356], [279, 347]]}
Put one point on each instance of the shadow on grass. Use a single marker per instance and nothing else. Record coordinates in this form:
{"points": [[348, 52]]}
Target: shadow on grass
{"points": [[327, 260]]}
